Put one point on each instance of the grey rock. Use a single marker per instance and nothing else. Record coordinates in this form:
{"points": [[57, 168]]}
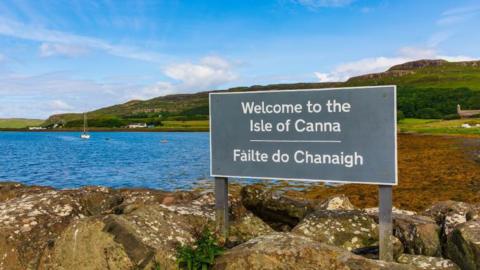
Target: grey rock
{"points": [[338, 202], [463, 245], [428, 263], [350, 229], [84, 245], [290, 251], [449, 214], [420, 235], [274, 207], [30, 222], [247, 227]]}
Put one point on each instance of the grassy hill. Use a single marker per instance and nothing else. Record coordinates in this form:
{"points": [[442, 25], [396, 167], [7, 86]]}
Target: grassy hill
{"points": [[426, 89], [19, 122]]}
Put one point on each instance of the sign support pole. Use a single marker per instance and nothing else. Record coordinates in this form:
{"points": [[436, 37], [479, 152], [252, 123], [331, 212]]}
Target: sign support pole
{"points": [[221, 204], [385, 222]]}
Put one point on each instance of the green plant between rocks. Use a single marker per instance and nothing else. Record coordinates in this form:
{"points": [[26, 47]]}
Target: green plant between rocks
{"points": [[200, 255], [156, 266]]}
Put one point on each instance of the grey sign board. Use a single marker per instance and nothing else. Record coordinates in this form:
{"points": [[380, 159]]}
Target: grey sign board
{"points": [[345, 135]]}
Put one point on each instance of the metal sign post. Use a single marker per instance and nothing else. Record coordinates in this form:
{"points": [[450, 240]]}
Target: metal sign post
{"points": [[221, 204], [385, 222]]}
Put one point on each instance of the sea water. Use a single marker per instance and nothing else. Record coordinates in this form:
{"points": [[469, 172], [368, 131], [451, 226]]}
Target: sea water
{"points": [[162, 160]]}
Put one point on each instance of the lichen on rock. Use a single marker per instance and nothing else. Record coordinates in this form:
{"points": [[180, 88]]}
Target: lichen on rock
{"points": [[292, 251], [463, 245], [427, 263], [350, 229], [420, 235]]}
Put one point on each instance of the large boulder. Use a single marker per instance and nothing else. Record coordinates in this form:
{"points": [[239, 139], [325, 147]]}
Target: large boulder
{"points": [[31, 222], [449, 214], [144, 236], [84, 245], [247, 227], [290, 251], [152, 233], [428, 263], [373, 212], [420, 235], [278, 210], [350, 229], [337, 202], [463, 245], [96, 200]]}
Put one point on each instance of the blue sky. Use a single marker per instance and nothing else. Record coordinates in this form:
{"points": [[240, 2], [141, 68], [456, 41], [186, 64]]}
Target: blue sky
{"points": [[74, 56]]}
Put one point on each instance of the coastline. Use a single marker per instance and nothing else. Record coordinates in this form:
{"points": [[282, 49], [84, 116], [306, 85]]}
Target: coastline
{"points": [[137, 228], [176, 129]]}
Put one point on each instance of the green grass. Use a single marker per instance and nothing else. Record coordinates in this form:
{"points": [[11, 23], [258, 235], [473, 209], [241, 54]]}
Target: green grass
{"points": [[435, 126], [19, 122], [449, 75], [193, 125], [186, 124]]}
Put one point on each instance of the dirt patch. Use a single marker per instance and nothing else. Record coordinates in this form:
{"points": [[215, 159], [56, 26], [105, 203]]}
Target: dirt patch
{"points": [[431, 169]]}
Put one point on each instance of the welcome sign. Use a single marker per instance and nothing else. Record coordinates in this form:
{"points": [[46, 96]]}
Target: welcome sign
{"points": [[345, 135]]}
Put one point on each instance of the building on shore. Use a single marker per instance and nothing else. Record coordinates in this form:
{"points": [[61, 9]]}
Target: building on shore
{"points": [[467, 113], [137, 125]]}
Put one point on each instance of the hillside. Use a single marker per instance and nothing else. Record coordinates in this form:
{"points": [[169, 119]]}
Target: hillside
{"points": [[426, 89], [19, 122]]}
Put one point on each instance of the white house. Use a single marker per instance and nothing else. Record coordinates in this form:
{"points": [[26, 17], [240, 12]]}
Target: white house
{"points": [[137, 125]]}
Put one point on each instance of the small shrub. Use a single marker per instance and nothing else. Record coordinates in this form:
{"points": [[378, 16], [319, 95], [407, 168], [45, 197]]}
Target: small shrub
{"points": [[156, 266], [400, 116], [201, 255]]}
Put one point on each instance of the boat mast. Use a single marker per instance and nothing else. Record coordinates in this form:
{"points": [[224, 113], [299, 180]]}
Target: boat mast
{"points": [[84, 123]]}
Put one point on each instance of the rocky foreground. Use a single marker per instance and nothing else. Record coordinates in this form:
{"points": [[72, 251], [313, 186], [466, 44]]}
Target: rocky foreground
{"points": [[100, 228]]}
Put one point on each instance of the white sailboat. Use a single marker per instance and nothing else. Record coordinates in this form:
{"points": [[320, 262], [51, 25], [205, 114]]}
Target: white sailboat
{"points": [[85, 135]]}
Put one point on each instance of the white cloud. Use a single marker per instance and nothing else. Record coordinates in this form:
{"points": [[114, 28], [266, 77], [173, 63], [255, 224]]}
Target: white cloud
{"points": [[378, 64], [52, 49], [368, 65], [59, 106], [462, 10], [40, 96], [211, 71], [458, 15], [59, 92], [314, 4], [417, 53], [438, 37], [20, 30], [156, 90]]}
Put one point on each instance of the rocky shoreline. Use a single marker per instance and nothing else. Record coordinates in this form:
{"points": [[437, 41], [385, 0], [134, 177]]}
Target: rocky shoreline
{"points": [[102, 228]]}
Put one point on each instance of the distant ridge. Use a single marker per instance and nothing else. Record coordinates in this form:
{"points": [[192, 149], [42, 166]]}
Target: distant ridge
{"points": [[419, 64], [410, 68], [417, 75]]}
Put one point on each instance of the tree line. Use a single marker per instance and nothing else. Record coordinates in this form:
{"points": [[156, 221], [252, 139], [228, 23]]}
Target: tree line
{"points": [[435, 103]]}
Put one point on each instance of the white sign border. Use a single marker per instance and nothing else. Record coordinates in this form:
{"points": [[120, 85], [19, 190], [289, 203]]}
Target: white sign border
{"points": [[306, 90]]}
